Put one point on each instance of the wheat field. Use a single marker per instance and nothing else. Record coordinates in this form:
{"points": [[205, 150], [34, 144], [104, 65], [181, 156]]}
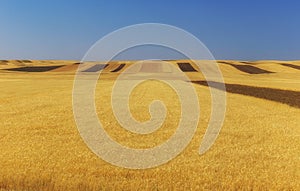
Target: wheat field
{"points": [[258, 147]]}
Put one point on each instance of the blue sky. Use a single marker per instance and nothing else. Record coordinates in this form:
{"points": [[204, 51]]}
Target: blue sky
{"points": [[231, 29]]}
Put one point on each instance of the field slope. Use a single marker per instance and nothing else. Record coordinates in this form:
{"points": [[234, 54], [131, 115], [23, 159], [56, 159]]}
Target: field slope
{"points": [[258, 147]]}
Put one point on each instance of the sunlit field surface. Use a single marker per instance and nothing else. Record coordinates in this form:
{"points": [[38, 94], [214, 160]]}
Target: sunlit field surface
{"points": [[258, 147]]}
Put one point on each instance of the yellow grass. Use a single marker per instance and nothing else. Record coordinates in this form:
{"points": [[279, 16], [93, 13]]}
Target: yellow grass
{"points": [[258, 147]]}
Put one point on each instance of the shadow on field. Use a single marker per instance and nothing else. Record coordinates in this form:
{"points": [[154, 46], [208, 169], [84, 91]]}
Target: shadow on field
{"points": [[292, 66], [289, 97], [34, 68], [245, 62], [247, 68]]}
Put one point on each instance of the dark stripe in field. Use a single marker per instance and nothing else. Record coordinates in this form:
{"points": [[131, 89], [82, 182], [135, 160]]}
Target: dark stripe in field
{"points": [[247, 68], [292, 66], [186, 67], [118, 68], [289, 97], [34, 68]]}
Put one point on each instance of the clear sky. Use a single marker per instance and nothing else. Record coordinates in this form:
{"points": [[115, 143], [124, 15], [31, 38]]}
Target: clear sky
{"points": [[231, 29]]}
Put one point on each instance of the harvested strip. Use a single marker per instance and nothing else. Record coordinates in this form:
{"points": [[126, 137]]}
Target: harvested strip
{"points": [[292, 66], [120, 67], [111, 65], [67, 68], [186, 67], [247, 68], [149, 67], [250, 69], [96, 68], [155, 67], [34, 68]]}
